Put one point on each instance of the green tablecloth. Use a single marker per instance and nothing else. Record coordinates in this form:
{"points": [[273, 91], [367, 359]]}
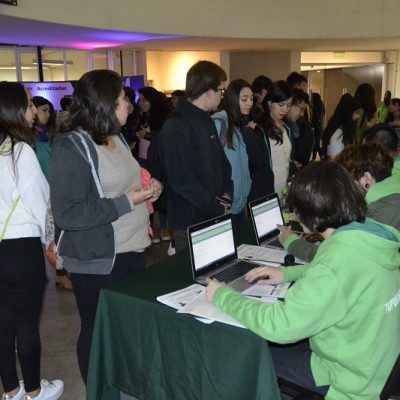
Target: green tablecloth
{"points": [[147, 350]]}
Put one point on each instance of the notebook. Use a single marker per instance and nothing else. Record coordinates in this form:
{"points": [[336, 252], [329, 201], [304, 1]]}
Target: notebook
{"points": [[265, 214], [213, 253]]}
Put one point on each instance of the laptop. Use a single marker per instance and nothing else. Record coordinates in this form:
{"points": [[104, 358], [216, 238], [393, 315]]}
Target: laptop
{"points": [[213, 253], [265, 214]]}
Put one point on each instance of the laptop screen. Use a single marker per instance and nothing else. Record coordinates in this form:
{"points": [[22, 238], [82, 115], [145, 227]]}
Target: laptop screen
{"points": [[266, 214], [211, 244]]}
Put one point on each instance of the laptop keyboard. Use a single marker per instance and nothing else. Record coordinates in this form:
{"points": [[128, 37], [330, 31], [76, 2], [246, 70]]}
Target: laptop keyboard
{"points": [[275, 243], [233, 272]]}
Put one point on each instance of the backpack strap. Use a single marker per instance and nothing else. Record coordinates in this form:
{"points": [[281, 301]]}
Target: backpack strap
{"points": [[222, 132]]}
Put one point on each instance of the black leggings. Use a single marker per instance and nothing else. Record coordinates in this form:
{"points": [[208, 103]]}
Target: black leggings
{"points": [[87, 289], [22, 279]]}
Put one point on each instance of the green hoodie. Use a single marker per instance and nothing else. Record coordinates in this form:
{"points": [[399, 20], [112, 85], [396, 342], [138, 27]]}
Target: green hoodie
{"points": [[383, 201], [346, 301], [396, 167]]}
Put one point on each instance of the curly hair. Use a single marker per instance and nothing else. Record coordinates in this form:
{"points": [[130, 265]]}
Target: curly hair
{"points": [[324, 195], [368, 157]]}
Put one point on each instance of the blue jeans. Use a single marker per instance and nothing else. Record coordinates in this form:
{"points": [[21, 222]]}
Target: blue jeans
{"points": [[292, 363]]}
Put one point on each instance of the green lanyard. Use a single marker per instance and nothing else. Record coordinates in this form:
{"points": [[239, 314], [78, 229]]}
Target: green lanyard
{"points": [[14, 206]]}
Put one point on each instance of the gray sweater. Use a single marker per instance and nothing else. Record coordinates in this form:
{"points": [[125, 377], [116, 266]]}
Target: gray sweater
{"points": [[87, 242]]}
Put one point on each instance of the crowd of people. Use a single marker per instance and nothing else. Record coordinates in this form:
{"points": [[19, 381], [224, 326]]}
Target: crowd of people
{"points": [[81, 186]]}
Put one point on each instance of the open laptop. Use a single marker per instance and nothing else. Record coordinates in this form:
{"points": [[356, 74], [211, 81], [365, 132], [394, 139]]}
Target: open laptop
{"points": [[265, 214], [213, 253]]}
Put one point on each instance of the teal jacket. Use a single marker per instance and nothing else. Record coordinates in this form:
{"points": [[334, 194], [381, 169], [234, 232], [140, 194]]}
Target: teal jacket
{"points": [[346, 301], [383, 201], [239, 161], [43, 151]]}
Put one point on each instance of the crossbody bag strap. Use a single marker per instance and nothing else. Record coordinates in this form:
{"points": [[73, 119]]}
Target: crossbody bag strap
{"points": [[14, 206]]}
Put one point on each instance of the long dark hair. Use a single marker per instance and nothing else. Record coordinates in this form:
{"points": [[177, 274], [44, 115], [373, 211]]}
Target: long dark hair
{"points": [[93, 105], [318, 108], [279, 91], [158, 107], [365, 94], [13, 124], [41, 101], [342, 118], [232, 107]]}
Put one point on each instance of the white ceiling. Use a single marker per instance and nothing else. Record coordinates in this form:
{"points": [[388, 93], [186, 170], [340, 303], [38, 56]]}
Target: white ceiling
{"points": [[27, 32]]}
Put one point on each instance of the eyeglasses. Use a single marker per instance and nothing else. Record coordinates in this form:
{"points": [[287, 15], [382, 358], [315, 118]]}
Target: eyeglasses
{"points": [[222, 91]]}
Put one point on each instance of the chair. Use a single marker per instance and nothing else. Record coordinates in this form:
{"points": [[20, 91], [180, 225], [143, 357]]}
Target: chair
{"points": [[297, 392], [391, 390]]}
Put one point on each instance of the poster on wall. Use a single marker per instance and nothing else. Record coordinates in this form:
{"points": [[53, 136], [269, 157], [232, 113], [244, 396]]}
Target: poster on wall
{"points": [[55, 91], [52, 91]]}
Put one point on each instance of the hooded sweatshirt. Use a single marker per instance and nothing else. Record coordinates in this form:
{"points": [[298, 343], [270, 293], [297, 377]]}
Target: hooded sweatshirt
{"points": [[396, 167], [239, 161], [383, 201], [346, 301]]}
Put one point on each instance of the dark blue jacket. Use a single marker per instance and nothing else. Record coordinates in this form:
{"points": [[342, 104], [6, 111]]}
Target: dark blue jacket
{"points": [[196, 168]]}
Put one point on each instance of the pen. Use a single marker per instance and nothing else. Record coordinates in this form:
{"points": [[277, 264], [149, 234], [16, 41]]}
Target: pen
{"points": [[250, 258]]}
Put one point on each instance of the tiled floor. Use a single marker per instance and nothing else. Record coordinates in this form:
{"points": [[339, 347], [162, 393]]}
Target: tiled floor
{"points": [[59, 331]]}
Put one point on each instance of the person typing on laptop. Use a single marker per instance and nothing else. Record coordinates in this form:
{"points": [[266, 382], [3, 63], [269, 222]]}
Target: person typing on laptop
{"points": [[372, 167], [342, 315]]}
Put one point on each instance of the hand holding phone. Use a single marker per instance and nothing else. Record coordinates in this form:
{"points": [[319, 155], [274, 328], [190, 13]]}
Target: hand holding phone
{"points": [[223, 199]]}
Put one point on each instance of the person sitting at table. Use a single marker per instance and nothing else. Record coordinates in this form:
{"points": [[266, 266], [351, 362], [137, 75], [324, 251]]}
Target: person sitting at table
{"points": [[345, 302], [386, 136], [97, 198], [371, 166]]}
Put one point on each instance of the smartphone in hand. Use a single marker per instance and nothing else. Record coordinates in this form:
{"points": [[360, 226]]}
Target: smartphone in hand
{"points": [[223, 199]]}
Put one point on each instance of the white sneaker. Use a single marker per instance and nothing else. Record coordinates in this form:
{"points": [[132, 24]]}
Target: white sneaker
{"points": [[171, 250], [19, 396], [49, 390]]}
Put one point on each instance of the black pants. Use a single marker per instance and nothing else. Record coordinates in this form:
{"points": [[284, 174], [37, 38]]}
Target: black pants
{"points": [[22, 279], [181, 240], [87, 289], [292, 362]]}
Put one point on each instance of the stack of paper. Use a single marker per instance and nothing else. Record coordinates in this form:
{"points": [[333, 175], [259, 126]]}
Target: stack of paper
{"points": [[192, 300]]}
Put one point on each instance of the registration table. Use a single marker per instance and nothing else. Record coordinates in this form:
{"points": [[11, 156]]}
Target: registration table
{"points": [[145, 349]]}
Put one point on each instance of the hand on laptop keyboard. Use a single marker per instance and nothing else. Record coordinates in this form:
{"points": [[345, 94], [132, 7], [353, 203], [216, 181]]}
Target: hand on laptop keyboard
{"points": [[265, 275]]}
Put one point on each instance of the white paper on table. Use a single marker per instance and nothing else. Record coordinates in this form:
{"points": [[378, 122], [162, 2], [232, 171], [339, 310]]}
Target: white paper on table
{"points": [[180, 298], [200, 307], [271, 256], [260, 290]]}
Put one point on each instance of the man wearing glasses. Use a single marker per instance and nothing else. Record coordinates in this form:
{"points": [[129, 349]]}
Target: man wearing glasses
{"points": [[195, 167]]}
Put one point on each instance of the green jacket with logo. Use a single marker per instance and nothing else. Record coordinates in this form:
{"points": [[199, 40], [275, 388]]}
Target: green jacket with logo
{"points": [[346, 301], [383, 201]]}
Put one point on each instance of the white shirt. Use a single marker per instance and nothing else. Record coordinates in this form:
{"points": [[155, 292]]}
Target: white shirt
{"points": [[23, 179], [280, 154], [335, 145]]}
